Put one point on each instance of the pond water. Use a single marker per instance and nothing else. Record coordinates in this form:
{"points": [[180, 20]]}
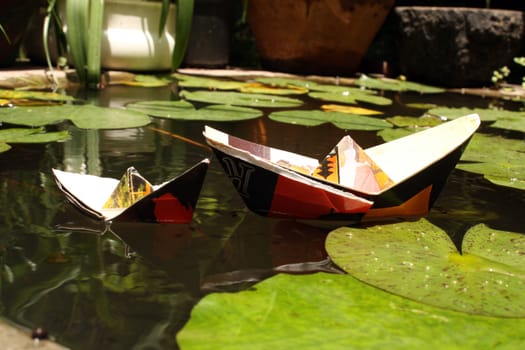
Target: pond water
{"points": [[134, 285]]}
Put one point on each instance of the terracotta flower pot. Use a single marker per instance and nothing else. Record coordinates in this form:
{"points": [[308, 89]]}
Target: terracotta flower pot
{"points": [[315, 36]]}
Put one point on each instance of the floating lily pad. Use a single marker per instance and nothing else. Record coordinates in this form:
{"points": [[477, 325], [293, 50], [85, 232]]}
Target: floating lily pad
{"points": [[350, 109], [82, 116], [351, 97], [415, 122], [499, 160], [192, 81], [508, 121], [185, 110], [25, 135], [258, 88], [34, 95], [240, 99], [395, 133], [418, 260], [148, 81], [396, 85], [485, 114], [341, 120], [286, 82], [328, 311]]}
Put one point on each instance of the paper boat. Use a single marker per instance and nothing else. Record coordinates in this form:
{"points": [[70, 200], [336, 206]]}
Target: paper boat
{"points": [[397, 179], [133, 198]]}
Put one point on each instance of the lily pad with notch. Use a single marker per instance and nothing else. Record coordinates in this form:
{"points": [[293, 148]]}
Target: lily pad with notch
{"points": [[26, 135], [417, 260], [82, 116], [341, 120], [240, 99]]}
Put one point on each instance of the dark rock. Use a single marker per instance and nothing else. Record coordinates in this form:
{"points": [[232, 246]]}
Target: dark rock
{"points": [[457, 47]]}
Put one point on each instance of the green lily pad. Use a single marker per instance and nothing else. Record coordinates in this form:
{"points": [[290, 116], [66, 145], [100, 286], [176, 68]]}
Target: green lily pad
{"points": [[25, 135], [240, 99], [82, 116], [422, 105], [328, 311], [396, 85], [499, 160], [34, 95], [485, 114], [418, 260], [415, 122], [185, 110], [395, 133], [286, 82], [341, 120], [192, 81], [258, 88], [507, 121], [351, 97]]}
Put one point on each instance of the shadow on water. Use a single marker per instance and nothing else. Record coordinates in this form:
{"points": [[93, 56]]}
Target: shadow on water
{"points": [[134, 285]]}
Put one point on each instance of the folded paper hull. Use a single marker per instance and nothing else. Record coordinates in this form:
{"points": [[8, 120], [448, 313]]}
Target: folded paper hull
{"points": [[172, 202], [272, 189]]}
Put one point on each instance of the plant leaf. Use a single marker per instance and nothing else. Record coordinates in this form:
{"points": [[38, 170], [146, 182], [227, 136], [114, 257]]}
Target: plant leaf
{"points": [[396, 85], [350, 109], [415, 122], [485, 114], [418, 260], [83, 116], [240, 99], [351, 97], [185, 110], [34, 95], [499, 160], [329, 311], [183, 22], [25, 135], [341, 120], [192, 81]]}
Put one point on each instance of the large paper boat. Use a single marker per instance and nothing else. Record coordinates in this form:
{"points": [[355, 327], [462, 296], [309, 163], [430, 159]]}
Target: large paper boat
{"points": [[133, 198], [398, 179]]}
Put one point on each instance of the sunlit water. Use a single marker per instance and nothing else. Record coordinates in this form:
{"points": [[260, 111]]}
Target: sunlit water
{"points": [[132, 285]]}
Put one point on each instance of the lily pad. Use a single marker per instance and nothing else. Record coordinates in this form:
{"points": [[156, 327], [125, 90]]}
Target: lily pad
{"points": [[328, 311], [82, 116], [341, 120], [350, 109], [417, 260], [395, 133], [258, 88], [498, 159], [241, 99], [349, 97], [34, 95], [485, 114], [192, 81], [185, 110], [415, 122], [25, 135], [508, 121], [396, 85], [287, 82]]}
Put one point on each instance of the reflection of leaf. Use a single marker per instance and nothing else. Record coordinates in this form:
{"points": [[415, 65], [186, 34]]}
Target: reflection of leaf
{"points": [[328, 311], [499, 160], [84, 116], [184, 110], [418, 260], [21, 135], [341, 120], [350, 109], [33, 95], [395, 85], [241, 99], [351, 97]]}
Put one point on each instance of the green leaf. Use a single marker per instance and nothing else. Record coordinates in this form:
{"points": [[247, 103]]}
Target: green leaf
{"points": [[258, 88], [418, 260], [395, 133], [396, 85], [327, 311], [485, 114], [183, 22], [34, 95], [287, 82], [4, 147], [415, 122], [509, 121], [94, 47], [192, 81], [185, 110], [349, 97], [240, 99], [341, 120], [84, 116], [499, 160], [24, 135], [77, 31]]}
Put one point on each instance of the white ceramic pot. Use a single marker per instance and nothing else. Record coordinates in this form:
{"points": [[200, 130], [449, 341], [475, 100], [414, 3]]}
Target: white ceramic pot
{"points": [[131, 38]]}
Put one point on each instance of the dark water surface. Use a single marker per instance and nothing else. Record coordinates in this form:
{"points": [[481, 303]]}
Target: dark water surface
{"points": [[134, 285]]}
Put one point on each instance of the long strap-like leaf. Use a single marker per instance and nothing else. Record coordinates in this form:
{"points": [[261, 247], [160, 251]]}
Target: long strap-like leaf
{"points": [[77, 27], [96, 16], [183, 23]]}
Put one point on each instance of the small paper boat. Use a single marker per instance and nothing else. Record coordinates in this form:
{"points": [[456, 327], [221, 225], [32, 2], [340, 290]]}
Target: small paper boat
{"points": [[397, 179], [133, 198]]}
